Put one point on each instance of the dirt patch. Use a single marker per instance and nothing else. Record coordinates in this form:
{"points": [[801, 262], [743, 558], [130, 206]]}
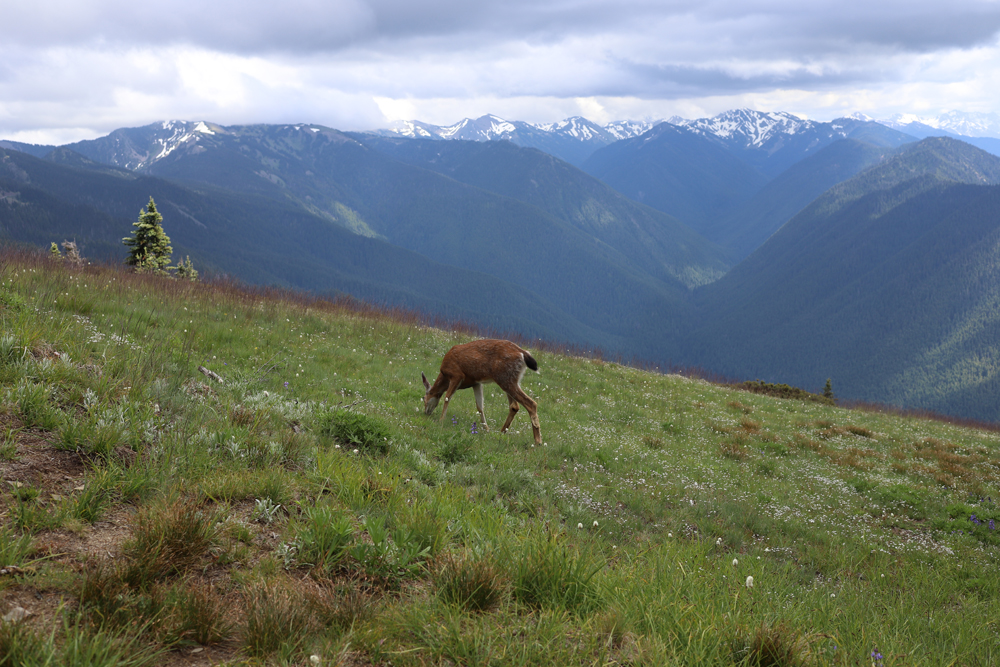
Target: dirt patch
{"points": [[36, 462]]}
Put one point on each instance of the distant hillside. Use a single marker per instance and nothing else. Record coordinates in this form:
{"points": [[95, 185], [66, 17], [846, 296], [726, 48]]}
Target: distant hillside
{"points": [[688, 176], [887, 284], [774, 204], [652, 240]]}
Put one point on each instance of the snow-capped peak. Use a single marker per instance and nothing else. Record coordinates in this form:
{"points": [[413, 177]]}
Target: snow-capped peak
{"points": [[969, 124], [748, 127]]}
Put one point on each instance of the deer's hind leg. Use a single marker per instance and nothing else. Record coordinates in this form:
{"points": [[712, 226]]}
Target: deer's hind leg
{"points": [[518, 396], [513, 412]]}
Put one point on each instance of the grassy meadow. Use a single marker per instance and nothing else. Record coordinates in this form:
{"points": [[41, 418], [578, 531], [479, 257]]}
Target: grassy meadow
{"points": [[291, 504]]}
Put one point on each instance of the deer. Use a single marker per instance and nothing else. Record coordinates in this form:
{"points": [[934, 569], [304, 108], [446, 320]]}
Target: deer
{"points": [[481, 362]]}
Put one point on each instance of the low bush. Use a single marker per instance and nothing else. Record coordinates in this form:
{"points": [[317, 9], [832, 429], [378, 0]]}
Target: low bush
{"points": [[356, 430]]}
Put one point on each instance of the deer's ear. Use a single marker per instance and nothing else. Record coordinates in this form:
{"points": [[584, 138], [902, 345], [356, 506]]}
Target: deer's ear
{"points": [[427, 385]]}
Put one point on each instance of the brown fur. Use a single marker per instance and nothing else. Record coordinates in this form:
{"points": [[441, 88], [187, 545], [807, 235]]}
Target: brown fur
{"points": [[480, 362]]}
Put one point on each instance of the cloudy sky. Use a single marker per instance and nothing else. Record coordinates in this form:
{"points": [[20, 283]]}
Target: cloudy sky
{"points": [[73, 70]]}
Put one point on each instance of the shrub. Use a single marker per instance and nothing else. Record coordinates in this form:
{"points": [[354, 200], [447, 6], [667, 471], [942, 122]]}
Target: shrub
{"points": [[356, 430], [782, 391]]}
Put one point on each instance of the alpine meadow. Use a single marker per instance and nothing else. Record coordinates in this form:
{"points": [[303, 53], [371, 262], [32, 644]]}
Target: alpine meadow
{"points": [[290, 503], [768, 395]]}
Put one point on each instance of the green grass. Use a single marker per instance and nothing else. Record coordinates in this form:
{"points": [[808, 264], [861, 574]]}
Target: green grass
{"points": [[247, 521]]}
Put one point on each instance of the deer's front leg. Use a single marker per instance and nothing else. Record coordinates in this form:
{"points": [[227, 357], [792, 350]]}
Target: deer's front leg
{"points": [[452, 386], [477, 389]]}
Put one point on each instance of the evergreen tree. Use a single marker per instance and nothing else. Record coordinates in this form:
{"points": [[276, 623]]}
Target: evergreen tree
{"points": [[149, 246], [185, 269], [828, 389]]}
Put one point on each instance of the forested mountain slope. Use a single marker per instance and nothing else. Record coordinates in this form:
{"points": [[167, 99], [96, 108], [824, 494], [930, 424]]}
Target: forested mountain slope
{"points": [[652, 240], [778, 201], [693, 178], [887, 284]]}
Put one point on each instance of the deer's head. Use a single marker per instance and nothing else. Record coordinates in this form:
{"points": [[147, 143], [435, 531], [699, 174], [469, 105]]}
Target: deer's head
{"points": [[430, 401]]}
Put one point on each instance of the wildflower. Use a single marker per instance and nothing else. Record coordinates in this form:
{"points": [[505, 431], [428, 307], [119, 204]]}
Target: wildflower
{"points": [[286, 384], [580, 526], [750, 581], [736, 562], [595, 524], [314, 659], [718, 542]]}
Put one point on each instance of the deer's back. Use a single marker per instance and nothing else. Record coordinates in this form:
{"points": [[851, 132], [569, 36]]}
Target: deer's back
{"points": [[483, 360]]}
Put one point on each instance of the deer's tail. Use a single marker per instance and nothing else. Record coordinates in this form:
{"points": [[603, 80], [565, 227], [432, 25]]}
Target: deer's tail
{"points": [[529, 361]]}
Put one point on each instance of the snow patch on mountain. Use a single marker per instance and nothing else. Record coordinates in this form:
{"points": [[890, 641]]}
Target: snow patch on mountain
{"points": [[493, 128], [968, 124], [748, 127], [626, 129]]}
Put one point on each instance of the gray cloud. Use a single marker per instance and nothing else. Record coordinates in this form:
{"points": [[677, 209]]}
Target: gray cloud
{"points": [[106, 63], [306, 26]]}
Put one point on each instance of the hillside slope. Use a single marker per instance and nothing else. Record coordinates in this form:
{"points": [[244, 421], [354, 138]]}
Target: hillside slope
{"points": [[204, 474]]}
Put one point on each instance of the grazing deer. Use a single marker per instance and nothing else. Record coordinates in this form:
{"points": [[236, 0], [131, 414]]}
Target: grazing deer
{"points": [[477, 363]]}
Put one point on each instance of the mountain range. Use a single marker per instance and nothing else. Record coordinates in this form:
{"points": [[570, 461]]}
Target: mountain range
{"points": [[752, 244], [575, 139]]}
